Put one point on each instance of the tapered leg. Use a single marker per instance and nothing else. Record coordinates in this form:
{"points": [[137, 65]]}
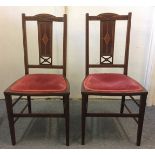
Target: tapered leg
{"points": [[9, 108], [122, 104], [66, 111], [141, 118], [86, 103], [64, 103], [29, 103], [83, 119]]}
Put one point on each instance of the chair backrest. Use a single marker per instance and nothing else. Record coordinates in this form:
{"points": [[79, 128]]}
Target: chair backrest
{"points": [[45, 31], [107, 39]]}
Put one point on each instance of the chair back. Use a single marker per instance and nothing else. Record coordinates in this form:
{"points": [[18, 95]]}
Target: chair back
{"points": [[107, 40], [45, 32]]}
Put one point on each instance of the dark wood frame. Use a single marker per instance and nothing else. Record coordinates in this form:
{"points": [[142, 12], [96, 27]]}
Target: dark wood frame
{"points": [[12, 116], [138, 117]]}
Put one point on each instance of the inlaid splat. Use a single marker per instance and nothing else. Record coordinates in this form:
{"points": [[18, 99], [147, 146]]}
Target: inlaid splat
{"points": [[107, 33], [45, 42]]}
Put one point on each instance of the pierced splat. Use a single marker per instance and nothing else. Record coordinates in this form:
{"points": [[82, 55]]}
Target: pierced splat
{"points": [[45, 42], [107, 33], [45, 60], [106, 59]]}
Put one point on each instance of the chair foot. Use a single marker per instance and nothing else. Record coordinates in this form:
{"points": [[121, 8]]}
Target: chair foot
{"points": [[14, 143], [66, 112], [141, 118], [67, 137], [67, 144], [8, 100], [83, 119], [83, 132], [138, 143], [82, 143], [12, 133]]}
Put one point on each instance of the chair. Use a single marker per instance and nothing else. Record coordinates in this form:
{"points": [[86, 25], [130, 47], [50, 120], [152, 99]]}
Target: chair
{"points": [[111, 84], [40, 84]]}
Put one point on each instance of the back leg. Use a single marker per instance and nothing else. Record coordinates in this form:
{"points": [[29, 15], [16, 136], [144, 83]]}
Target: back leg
{"points": [[29, 104], [122, 104]]}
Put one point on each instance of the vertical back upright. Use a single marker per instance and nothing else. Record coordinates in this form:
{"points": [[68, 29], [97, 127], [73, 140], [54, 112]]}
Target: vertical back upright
{"points": [[64, 44], [127, 44], [25, 44], [87, 44]]}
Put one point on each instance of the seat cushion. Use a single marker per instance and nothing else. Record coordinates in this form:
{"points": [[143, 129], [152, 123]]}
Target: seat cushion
{"points": [[40, 83], [111, 82]]}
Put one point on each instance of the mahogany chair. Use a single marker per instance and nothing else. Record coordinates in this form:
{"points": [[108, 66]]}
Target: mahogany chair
{"points": [[40, 84], [111, 84]]}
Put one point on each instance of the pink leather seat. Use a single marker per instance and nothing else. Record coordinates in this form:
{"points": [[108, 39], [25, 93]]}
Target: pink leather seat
{"points": [[39, 83], [111, 82]]}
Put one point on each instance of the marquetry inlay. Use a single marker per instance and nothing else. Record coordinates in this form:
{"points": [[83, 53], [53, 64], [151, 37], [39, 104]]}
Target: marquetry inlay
{"points": [[45, 39], [45, 42], [107, 31]]}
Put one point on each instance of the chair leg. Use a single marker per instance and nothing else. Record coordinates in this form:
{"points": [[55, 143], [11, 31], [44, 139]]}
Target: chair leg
{"points": [[64, 103], [29, 103], [9, 107], [83, 119], [141, 118], [122, 104], [66, 112], [86, 103]]}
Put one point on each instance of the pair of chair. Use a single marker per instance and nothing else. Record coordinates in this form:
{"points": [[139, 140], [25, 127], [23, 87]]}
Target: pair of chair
{"points": [[102, 84]]}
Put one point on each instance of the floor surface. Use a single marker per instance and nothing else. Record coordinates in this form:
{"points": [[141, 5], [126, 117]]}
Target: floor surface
{"points": [[103, 133]]}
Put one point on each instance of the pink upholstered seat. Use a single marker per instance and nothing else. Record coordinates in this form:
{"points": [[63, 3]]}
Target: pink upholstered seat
{"points": [[40, 83], [111, 82]]}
